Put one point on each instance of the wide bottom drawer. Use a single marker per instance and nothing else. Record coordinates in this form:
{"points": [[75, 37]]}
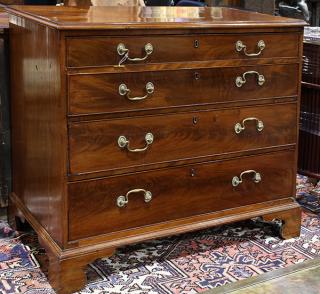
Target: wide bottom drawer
{"points": [[124, 202]]}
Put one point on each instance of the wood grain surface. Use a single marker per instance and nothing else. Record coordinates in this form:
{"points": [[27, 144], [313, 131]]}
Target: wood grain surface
{"points": [[98, 51], [93, 145], [39, 130], [136, 17], [99, 93], [176, 193]]}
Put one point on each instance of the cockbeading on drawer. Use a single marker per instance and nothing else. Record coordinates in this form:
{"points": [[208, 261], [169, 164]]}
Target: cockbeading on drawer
{"points": [[114, 51]]}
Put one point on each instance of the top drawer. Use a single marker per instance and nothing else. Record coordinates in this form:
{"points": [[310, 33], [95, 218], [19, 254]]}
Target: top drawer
{"points": [[102, 51]]}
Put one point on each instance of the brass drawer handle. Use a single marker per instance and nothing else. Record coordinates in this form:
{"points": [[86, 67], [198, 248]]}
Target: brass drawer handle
{"points": [[238, 180], [241, 46], [239, 127], [123, 200], [123, 51], [123, 142], [240, 81], [125, 91]]}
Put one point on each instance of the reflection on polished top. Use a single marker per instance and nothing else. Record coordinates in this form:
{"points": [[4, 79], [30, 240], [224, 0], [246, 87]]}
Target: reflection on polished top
{"points": [[149, 17], [4, 22]]}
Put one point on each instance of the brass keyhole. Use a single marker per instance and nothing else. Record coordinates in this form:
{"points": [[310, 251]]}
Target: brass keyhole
{"points": [[196, 44], [193, 172], [196, 76], [195, 120]]}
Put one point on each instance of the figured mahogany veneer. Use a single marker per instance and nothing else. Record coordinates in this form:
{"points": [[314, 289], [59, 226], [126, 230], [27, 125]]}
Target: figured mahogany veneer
{"points": [[176, 193], [219, 152], [93, 145], [99, 51], [99, 93]]}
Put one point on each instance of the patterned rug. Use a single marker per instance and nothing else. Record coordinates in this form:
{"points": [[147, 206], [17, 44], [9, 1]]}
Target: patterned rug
{"points": [[306, 194], [189, 263]]}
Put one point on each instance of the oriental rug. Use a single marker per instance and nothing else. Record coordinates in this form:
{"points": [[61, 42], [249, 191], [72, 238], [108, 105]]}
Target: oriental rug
{"points": [[189, 263]]}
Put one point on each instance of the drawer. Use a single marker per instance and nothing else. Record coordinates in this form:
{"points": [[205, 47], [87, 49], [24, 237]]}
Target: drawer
{"points": [[99, 206], [111, 144], [102, 93], [102, 51]]}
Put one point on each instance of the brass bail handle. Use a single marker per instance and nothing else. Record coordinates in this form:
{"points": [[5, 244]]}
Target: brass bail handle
{"points": [[240, 46], [123, 142], [239, 127], [236, 181], [123, 200], [123, 51], [125, 91], [241, 80]]}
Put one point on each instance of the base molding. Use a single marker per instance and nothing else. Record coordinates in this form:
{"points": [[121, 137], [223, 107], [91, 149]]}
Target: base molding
{"points": [[67, 264], [68, 274]]}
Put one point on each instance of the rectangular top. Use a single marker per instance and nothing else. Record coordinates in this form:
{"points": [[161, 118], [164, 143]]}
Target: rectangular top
{"points": [[137, 17]]}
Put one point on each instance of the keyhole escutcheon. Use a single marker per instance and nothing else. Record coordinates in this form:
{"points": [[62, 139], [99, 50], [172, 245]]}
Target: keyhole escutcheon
{"points": [[194, 120]]}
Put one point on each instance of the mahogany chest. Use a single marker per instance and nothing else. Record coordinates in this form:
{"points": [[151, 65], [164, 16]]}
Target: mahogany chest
{"points": [[132, 123]]}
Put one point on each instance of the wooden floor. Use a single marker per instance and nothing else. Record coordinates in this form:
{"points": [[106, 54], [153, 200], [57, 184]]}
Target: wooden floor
{"points": [[301, 278]]}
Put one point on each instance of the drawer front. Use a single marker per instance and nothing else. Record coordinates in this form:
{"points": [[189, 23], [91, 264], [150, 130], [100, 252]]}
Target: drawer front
{"points": [[103, 145], [100, 51], [96, 206], [102, 93]]}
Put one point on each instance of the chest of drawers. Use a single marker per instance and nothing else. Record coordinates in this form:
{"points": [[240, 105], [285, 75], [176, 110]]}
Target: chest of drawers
{"points": [[133, 123]]}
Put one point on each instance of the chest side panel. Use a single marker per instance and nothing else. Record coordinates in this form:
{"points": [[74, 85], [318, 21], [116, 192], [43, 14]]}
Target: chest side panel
{"points": [[38, 122]]}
